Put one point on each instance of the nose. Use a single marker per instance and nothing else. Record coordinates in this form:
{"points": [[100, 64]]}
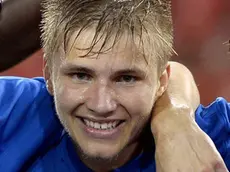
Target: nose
{"points": [[101, 100]]}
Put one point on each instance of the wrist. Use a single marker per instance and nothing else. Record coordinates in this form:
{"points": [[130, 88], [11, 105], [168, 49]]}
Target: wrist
{"points": [[172, 120]]}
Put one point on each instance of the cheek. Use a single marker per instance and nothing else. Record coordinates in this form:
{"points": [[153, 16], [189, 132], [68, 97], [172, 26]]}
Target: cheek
{"points": [[139, 105], [68, 98], [138, 101]]}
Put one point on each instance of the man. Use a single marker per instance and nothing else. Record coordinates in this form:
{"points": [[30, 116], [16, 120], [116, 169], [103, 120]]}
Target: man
{"points": [[105, 80]]}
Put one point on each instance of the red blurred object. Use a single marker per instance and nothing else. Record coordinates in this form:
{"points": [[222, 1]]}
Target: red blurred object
{"points": [[31, 67], [201, 28]]}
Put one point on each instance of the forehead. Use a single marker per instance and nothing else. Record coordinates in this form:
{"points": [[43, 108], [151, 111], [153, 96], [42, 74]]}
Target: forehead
{"points": [[87, 44], [122, 52]]}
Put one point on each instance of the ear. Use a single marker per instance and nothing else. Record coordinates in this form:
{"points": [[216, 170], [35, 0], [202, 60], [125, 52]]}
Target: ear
{"points": [[163, 81], [47, 75]]}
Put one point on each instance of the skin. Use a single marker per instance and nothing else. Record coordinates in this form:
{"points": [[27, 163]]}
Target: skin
{"points": [[102, 94], [16, 31], [173, 124], [19, 31], [113, 86]]}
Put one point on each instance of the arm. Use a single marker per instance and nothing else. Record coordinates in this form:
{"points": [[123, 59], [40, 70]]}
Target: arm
{"points": [[182, 87], [182, 93], [180, 144], [19, 31]]}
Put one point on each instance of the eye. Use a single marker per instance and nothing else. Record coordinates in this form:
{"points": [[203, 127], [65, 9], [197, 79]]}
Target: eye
{"points": [[81, 76], [127, 79]]}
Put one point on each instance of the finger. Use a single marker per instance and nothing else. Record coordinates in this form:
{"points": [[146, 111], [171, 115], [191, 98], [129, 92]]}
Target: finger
{"points": [[221, 170], [220, 167]]}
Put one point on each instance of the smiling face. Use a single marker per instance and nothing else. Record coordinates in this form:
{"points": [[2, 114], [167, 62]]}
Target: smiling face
{"points": [[105, 102]]}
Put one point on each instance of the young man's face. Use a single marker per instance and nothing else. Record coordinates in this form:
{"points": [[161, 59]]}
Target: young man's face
{"points": [[105, 102]]}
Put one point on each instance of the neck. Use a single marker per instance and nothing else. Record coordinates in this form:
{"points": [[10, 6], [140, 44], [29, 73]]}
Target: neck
{"points": [[102, 165]]}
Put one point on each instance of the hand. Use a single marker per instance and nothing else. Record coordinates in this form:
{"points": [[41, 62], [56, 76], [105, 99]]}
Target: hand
{"points": [[181, 146]]}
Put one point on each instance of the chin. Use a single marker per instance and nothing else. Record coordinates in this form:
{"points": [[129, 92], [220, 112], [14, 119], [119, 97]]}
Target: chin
{"points": [[95, 150]]}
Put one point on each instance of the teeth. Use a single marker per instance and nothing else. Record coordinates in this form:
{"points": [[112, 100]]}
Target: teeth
{"points": [[95, 125], [87, 122], [102, 126], [114, 124]]}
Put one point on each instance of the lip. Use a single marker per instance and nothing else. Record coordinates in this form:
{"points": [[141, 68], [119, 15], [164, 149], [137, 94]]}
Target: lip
{"points": [[110, 134]]}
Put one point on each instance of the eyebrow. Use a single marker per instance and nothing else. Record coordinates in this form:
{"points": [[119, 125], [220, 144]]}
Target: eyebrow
{"points": [[74, 68], [133, 70]]}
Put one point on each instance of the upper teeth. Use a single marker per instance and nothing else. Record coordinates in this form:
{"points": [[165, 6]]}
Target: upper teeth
{"points": [[102, 126]]}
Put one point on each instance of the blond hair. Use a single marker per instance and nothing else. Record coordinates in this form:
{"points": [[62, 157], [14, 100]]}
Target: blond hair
{"points": [[60, 18]]}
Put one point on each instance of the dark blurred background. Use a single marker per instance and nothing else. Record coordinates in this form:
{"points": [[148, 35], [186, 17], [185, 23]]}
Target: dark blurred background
{"points": [[201, 28]]}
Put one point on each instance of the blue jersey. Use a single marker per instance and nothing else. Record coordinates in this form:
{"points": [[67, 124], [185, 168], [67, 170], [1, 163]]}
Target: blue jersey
{"points": [[32, 138]]}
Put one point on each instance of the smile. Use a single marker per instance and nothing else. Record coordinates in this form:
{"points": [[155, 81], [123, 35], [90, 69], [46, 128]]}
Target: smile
{"points": [[102, 129], [101, 126]]}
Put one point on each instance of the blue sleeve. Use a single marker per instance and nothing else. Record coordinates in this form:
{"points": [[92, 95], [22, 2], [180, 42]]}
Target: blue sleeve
{"points": [[27, 121], [215, 121]]}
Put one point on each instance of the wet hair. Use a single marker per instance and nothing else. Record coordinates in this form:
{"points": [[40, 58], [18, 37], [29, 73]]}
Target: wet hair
{"points": [[148, 21]]}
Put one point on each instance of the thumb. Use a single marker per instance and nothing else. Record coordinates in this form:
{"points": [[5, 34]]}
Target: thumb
{"points": [[221, 168]]}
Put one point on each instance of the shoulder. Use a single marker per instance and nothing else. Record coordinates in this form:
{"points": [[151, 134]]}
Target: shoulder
{"points": [[214, 120], [17, 93], [21, 98], [213, 115], [18, 87], [27, 121]]}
